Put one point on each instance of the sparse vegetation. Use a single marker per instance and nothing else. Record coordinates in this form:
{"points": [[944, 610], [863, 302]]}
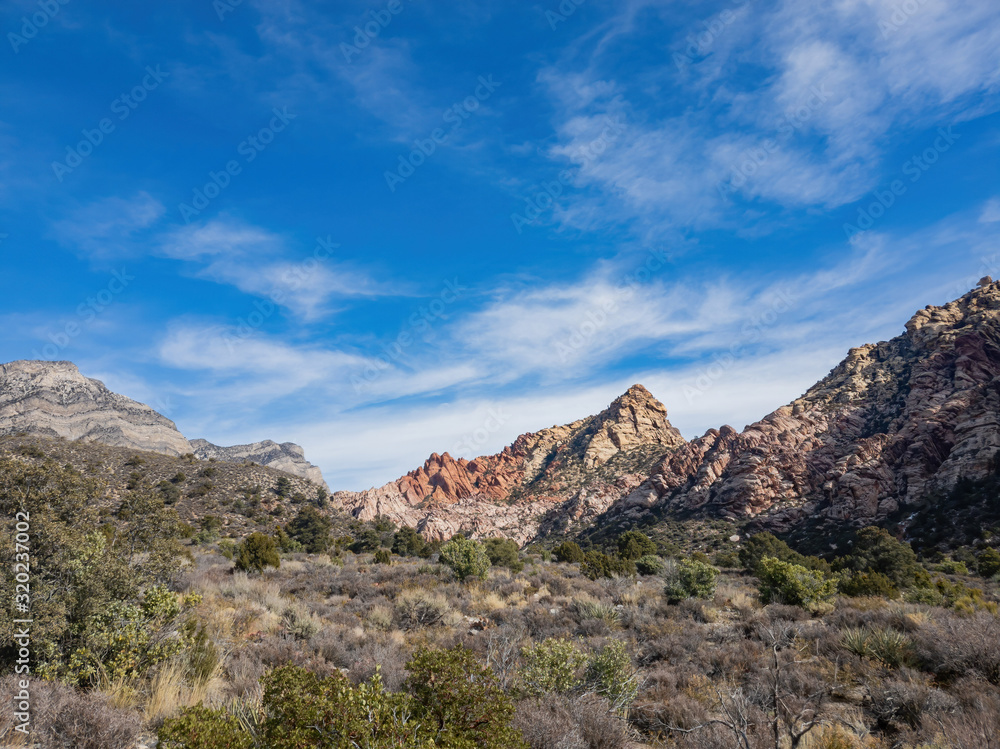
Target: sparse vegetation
{"points": [[158, 624]]}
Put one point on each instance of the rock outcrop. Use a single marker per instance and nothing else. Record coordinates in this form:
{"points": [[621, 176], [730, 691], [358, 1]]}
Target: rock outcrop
{"points": [[581, 468], [893, 422], [287, 457], [52, 399]]}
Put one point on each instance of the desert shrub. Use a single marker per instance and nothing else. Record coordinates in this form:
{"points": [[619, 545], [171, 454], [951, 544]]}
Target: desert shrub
{"points": [[951, 646], [504, 553], [201, 728], [568, 551], [634, 544], [227, 547], [406, 542], [876, 550], [383, 556], [953, 567], [67, 718], [558, 722], [767, 544], [466, 557], [81, 572], [311, 529], [459, 696], [257, 552], [726, 559], [867, 584], [551, 666], [417, 607], [792, 584], [689, 578], [988, 563], [650, 564], [883, 644], [597, 564], [612, 675]]}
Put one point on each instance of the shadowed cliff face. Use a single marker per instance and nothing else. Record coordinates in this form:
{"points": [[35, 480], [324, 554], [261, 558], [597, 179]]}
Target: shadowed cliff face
{"points": [[891, 423], [596, 458], [52, 399]]}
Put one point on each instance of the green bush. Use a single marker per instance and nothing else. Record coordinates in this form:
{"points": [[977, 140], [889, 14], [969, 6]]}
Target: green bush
{"points": [[451, 701], [690, 578], [568, 551], [311, 529], [551, 666], [461, 699], [466, 557], [793, 584], [988, 563], [953, 567], [598, 564], [868, 584], [766, 544], [612, 675], [876, 550], [649, 565], [383, 556], [227, 547], [633, 545], [283, 487], [504, 553], [406, 542], [257, 552]]}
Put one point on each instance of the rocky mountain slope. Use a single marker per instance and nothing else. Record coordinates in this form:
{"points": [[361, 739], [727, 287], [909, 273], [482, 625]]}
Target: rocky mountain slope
{"points": [[573, 472], [893, 423], [244, 497], [287, 457], [53, 399]]}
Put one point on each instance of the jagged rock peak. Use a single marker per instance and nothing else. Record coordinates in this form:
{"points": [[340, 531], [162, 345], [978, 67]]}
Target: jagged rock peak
{"points": [[634, 419], [53, 399], [287, 457]]}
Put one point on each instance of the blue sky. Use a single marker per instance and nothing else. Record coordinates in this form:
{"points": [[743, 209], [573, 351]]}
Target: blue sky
{"points": [[387, 229]]}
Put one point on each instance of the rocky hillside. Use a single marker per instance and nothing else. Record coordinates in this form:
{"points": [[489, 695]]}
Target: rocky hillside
{"points": [[287, 457], [52, 399], [894, 423], [570, 472], [245, 497]]}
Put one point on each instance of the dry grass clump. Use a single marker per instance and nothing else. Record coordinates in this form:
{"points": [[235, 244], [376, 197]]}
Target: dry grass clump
{"points": [[558, 722], [416, 608]]}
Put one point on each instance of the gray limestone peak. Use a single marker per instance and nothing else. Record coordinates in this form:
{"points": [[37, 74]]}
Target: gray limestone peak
{"points": [[287, 457], [52, 399]]}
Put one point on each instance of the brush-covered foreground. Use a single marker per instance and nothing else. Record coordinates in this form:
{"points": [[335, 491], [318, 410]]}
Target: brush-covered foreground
{"points": [[145, 633]]}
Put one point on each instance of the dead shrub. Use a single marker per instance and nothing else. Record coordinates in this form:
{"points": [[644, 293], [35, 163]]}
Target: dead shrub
{"points": [[66, 718]]}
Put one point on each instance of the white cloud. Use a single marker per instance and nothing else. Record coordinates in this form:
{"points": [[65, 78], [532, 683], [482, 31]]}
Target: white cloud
{"points": [[829, 81], [109, 227]]}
